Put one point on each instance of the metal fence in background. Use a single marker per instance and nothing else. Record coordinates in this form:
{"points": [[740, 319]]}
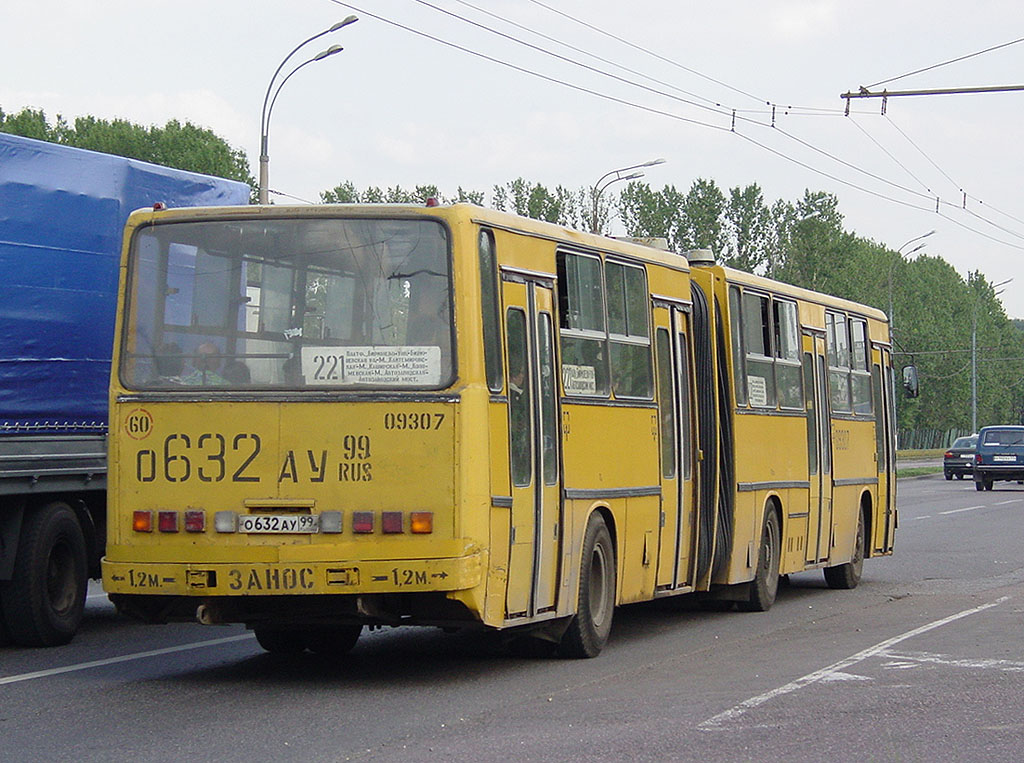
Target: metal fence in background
{"points": [[927, 439]]}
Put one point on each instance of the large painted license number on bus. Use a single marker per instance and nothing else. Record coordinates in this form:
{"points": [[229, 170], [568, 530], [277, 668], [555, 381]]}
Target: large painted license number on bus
{"points": [[208, 458]]}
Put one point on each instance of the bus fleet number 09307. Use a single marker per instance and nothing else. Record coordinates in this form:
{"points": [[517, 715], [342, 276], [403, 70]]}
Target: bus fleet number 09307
{"points": [[412, 420]]}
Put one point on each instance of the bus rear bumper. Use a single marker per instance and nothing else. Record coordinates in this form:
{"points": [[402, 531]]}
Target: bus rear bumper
{"points": [[288, 579]]}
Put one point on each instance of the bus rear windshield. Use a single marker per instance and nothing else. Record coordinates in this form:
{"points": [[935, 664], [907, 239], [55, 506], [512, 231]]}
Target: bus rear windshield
{"points": [[306, 303]]}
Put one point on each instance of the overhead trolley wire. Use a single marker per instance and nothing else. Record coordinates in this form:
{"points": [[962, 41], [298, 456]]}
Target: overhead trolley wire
{"points": [[944, 63], [717, 109], [651, 110]]}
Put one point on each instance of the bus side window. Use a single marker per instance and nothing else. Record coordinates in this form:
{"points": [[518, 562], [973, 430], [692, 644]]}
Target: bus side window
{"points": [[860, 369], [491, 314], [520, 426], [757, 340], [629, 332]]}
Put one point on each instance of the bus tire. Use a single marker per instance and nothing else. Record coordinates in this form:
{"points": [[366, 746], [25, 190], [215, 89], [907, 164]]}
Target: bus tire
{"points": [[278, 641], [45, 598], [765, 584], [333, 641], [847, 576], [589, 628]]}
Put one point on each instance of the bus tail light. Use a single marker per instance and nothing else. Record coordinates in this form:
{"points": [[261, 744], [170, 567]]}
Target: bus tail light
{"points": [[391, 522], [225, 521], [167, 521], [362, 521], [421, 521], [195, 521], [142, 521]]}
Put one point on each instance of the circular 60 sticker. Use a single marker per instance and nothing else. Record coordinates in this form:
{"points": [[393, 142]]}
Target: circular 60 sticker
{"points": [[138, 424]]}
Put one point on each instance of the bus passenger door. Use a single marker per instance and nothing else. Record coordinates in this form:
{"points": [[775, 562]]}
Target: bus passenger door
{"points": [[677, 528], [533, 447], [882, 382], [819, 453]]}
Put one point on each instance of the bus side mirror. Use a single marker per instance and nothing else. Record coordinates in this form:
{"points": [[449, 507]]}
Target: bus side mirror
{"points": [[910, 383]]}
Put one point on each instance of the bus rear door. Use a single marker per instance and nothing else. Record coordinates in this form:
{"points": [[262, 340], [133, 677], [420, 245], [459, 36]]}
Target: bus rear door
{"points": [[533, 445]]}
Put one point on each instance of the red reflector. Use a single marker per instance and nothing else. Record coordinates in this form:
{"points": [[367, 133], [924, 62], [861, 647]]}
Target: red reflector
{"points": [[421, 521], [195, 521], [391, 521], [362, 521], [142, 521], [167, 521]]}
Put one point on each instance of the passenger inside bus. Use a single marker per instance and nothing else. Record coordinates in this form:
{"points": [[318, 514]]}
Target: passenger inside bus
{"points": [[206, 362]]}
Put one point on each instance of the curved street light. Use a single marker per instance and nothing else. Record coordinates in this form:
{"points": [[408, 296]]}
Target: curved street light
{"points": [[915, 238], [614, 176], [900, 255], [268, 102]]}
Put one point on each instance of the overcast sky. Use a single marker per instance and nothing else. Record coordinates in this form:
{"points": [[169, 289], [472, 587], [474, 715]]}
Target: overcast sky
{"points": [[398, 108]]}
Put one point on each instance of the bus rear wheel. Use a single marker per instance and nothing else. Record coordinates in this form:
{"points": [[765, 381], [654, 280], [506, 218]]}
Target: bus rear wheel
{"points": [[278, 641], [847, 576], [765, 584], [589, 628], [333, 641]]}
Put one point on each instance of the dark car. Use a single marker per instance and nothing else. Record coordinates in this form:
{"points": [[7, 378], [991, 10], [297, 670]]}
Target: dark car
{"points": [[999, 455], [958, 461]]}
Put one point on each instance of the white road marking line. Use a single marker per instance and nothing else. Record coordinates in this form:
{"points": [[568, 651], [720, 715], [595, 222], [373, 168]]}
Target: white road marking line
{"points": [[122, 658], [717, 722], [1015, 500], [917, 658], [926, 516], [957, 511]]}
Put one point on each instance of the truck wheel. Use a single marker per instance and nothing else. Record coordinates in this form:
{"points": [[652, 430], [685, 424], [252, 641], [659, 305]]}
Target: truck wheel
{"points": [[589, 628], [44, 601], [847, 576], [765, 584]]}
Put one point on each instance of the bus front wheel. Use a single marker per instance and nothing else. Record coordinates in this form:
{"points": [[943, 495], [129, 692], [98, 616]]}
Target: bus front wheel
{"points": [[588, 631]]}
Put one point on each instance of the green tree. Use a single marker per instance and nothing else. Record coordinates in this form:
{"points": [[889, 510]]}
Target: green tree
{"points": [[702, 218], [748, 229], [815, 242]]}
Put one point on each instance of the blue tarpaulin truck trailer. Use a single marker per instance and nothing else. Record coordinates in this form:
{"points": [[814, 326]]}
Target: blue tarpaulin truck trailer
{"points": [[62, 213]]}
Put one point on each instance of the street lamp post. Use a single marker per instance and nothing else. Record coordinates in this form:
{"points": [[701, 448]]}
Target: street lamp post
{"points": [[974, 351], [613, 177], [899, 254], [268, 101]]}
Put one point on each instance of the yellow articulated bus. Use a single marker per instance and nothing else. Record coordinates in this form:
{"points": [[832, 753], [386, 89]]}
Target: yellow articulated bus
{"points": [[331, 417]]}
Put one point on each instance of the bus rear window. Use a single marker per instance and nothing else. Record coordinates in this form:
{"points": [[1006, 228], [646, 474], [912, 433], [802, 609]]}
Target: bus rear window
{"points": [[296, 304]]}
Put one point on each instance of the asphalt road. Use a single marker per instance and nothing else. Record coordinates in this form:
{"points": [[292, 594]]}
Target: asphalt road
{"points": [[923, 661]]}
